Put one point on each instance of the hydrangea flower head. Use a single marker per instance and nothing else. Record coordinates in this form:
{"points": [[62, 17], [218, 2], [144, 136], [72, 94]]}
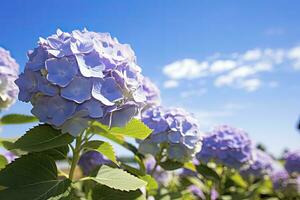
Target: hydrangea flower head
{"points": [[282, 182], [91, 160], [226, 145], [82, 76], [279, 179], [9, 70], [261, 165], [174, 129], [292, 161], [152, 92]]}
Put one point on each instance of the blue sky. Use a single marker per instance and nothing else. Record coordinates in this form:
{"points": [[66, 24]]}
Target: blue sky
{"points": [[228, 62]]}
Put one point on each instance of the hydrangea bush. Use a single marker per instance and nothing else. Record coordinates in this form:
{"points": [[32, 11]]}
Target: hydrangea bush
{"points": [[9, 70], [82, 76], [262, 164], [228, 146], [88, 94], [292, 162], [174, 131]]}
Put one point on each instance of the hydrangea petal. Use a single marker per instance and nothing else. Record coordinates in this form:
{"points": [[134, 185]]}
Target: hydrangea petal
{"points": [[93, 107], [61, 71], [90, 65], [60, 110], [79, 90]]}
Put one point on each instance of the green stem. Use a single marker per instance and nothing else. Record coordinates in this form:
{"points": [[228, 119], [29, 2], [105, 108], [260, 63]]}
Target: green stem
{"points": [[157, 159], [76, 154]]}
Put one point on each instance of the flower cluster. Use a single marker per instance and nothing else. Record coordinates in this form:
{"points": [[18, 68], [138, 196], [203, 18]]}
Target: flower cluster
{"points": [[91, 160], [286, 184], [226, 145], [71, 78], [292, 162], [161, 176], [262, 165], [9, 71], [152, 93], [173, 129]]}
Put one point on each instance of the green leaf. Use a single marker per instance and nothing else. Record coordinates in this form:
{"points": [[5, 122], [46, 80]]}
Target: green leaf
{"points": [[135, 128], [102, 147], [98, 130], [152, 185], [238, 180], [59, 153], [3, 162], [171, 165], [132, 170], [190, 166], [33, 176], [17, 119], [118, 179], [41, 138], [208, 172], [102, 192]]}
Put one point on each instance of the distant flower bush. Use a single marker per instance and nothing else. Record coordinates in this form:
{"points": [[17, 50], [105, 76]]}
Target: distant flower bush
{"points": [[9, 70], [262, 164], [292, 161], [174, 130], [228, 146]]}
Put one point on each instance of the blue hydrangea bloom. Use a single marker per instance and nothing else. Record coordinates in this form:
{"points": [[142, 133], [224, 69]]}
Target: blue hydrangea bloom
{"points": [[288, 185], [91, 160], [279, 179], [9, 70], [292, 162], [81, 71], [174, 129], [226, 145], [152, 92], [262, 164]]}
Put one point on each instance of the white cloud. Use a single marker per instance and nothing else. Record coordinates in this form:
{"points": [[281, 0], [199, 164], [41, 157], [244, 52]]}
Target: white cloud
{"points": [[235, 76], [252, 55], [294, 54], [238, 70], [185, 69], [250, 84], [222, 66], [171, 84]]}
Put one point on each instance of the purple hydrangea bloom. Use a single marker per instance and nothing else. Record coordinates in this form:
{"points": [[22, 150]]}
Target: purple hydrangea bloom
{"points": [[9, 70], [279, 179], [80, 71], [174, 129], [292, 161], [196, 191], [214, 195], [152, 92], [226, 145], [91, 160], [163, 177], [262, 164]]}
